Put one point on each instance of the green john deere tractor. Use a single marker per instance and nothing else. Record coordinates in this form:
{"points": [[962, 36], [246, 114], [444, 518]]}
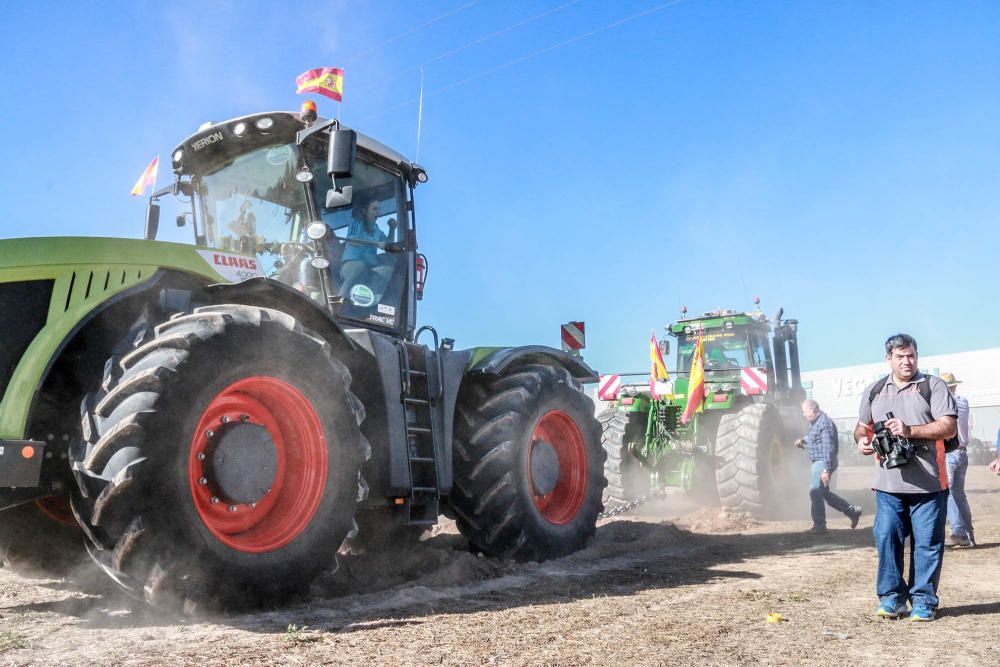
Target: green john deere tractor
{"points": [[739, 450], [214, 420]]}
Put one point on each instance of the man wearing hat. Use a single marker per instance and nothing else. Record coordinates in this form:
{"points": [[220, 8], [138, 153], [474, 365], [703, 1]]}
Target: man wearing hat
{"points": [[959, 514]]}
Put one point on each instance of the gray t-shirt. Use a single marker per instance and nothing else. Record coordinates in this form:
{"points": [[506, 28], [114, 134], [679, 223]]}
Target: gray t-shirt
{"points": [[927, 472]]}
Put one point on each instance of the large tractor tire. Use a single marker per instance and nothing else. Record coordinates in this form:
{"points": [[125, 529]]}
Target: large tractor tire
{"points": [[627, 479], [528, 464], [41, 538], [753, 460], [221, 468]]}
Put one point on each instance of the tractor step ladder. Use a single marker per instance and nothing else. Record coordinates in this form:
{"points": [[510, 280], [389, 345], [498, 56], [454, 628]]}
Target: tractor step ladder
{"points": [[420, 396]]}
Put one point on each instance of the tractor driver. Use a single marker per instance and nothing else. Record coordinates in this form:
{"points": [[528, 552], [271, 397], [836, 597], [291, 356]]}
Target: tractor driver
{"points": [[361, 262], [245, 228]]}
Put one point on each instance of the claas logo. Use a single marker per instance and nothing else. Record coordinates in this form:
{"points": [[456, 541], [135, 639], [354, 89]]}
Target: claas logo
{"points": [[239, 262]]}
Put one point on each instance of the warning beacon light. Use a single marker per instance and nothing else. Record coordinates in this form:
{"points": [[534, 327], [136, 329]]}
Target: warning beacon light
{"points": [[307, 112]]}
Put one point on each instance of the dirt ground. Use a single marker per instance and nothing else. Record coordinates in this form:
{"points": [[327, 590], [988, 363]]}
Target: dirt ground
{"points": [[667, 584]]}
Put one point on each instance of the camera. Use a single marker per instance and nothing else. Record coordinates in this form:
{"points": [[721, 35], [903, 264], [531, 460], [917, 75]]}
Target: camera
{"points": [[894, 451]]}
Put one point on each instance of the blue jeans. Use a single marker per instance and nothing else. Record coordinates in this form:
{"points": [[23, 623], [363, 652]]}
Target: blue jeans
{"points": [[959, 514], [919, 517], [820, 495]]}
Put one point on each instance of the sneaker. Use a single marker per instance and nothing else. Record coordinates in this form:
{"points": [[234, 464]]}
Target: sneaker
{"points": [[922, 614], [957, 541], [886, 610], [817, 529], [854, 515], [972, 540]]}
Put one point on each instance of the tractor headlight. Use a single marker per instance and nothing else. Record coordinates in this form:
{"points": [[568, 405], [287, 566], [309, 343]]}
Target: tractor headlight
{"points": [[264, 123], [316, 230], [319, 263], [240, 129], [725, 386]]}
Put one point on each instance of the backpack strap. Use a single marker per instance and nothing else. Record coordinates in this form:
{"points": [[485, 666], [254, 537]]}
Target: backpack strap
{"points": [[876, 388]]}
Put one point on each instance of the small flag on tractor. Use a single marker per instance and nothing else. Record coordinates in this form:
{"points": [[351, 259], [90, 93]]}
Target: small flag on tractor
{"points": [[696, 383], [659, 370], [328, 81], [148, 177]]}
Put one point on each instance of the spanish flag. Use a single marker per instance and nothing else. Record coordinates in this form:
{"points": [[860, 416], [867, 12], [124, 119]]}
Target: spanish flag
{"points": [[659, 371], [696, 383], [148, 177], [328, 81]]}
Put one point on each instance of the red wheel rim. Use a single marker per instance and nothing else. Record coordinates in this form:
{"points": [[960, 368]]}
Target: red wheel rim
{"points": [[560, 505], [58, 509], [282, 514]]}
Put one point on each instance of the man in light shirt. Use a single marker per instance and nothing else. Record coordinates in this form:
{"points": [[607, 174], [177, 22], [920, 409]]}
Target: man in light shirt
{"points": [[959, 513]]}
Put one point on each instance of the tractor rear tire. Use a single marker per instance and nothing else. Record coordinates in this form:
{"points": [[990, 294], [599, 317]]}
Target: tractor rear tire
{"points": [[222, 467], [537, 417], [628, 479], [36, 539], [753, 460]]}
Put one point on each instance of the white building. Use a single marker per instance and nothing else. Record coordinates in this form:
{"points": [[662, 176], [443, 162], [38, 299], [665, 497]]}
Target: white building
{"points": [[838, 390]]}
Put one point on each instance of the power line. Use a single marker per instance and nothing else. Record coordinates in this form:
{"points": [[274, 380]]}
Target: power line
{"points": [[411, 31], [480, 40], [534, 54]]}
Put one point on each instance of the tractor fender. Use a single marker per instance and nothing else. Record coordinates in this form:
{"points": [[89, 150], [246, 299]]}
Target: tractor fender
{"points": [[269, 293], [92, 338], [498, 360]]}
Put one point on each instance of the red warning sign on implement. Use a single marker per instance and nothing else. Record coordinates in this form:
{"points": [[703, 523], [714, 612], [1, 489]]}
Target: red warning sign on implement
{"points": [[573, 336]]}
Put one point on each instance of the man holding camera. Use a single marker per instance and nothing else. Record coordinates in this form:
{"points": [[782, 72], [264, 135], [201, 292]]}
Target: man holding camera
{"points": [[907, 417]]}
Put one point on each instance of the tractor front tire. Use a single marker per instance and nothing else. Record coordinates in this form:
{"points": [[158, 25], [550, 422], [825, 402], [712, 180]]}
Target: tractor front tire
{"points": [[528, 464], [627, 479], [752, 459], [222, 467]]}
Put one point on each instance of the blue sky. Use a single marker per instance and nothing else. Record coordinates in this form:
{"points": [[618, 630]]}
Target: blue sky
{"points": [[840, 160]]}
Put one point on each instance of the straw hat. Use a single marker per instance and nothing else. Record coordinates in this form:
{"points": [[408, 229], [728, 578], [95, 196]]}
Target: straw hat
{"points": [[949, 379]]}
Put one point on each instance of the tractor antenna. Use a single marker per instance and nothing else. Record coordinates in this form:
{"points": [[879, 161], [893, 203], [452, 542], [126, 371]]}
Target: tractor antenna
{"points": [[420, 114]]}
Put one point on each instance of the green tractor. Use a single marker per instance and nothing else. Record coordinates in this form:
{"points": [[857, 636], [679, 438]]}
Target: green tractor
{"points": [[738, 451], [214, 420]]}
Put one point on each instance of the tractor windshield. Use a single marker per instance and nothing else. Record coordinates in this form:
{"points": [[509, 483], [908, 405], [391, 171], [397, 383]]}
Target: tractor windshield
{"points": [[724, 350], [254, 206]]}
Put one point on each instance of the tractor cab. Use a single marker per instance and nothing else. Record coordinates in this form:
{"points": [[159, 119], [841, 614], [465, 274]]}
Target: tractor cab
{"points": [[266, 195], [739, 355]]}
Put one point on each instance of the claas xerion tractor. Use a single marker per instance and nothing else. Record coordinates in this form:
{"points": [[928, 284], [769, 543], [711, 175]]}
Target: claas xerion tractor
{"points": [[737, 451], [214, 419]]}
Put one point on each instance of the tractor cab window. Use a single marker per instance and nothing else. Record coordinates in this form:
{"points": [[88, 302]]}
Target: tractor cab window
{"points": [[758, 350], [253, 206], [723, 350], [364, 240]]}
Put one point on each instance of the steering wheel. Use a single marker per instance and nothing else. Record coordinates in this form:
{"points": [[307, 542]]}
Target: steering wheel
{"points": [[292, 253]]}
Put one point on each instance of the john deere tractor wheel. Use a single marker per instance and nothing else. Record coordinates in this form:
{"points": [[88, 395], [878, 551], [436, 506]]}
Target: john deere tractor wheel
{"points": [[40, 538], [222, 466], [627, 479], [753, 459], [528, 464]]}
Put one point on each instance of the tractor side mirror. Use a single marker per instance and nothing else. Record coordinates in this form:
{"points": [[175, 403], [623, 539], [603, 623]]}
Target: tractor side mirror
{"points": [[664, 346], [338, 198], [152, 220], [421, 278], [340, 155]]}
